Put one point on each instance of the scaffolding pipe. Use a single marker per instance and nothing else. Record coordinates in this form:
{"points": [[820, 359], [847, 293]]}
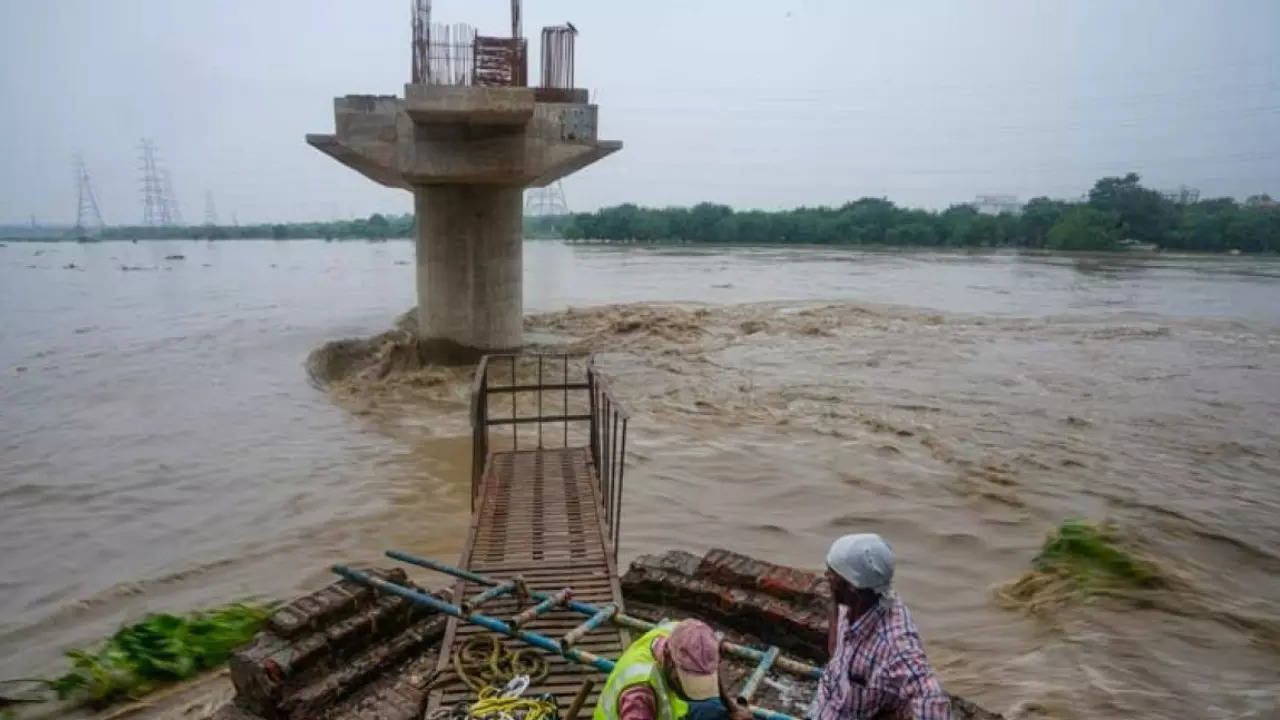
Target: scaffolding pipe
{"points": [[552, 601], [794, 667], [749, 687], [470, 604], [572, 637], [542, 642]]}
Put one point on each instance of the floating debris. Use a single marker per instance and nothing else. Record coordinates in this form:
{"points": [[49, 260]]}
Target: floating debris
{"points": [[175, 257], [158, 650], [1080, 560]]}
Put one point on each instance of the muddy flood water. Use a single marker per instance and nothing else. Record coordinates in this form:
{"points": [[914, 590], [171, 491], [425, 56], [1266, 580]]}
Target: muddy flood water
{"points": [[162, 447]]}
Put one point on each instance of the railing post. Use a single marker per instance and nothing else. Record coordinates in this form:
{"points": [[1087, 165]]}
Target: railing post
{"points": [[515, 439], [540, 402], [591, 399], [606, 458], [613, 468], [479, 426], [566, 399], [617, 517]]}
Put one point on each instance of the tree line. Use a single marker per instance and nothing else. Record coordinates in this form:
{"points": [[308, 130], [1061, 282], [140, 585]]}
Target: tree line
{"points": [[375, 227], [1117, 213]]}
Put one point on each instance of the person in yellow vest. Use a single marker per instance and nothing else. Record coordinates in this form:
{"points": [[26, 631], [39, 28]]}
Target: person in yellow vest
{"points": [[665, 674]]}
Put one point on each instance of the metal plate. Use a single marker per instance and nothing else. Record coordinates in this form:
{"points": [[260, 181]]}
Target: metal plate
{"points": [[540, 515]]}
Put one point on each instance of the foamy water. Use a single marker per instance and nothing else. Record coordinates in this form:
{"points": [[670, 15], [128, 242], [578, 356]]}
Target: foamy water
{"points": [[161, 446]]}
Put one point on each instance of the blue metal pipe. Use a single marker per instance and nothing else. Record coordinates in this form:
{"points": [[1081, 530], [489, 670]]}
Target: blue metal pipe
{"points": [[496, 591], [559, 598], [493, 624], [767, 714], [461, 574], [749, 687], [537, 640], [602, 616], [794, 667]]}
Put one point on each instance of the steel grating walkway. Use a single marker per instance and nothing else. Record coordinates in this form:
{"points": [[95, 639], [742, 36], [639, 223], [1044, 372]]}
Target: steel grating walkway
{"points": [[540, 515]]}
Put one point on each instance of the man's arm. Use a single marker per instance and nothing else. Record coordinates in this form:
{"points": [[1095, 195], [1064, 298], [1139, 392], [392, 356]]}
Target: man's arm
{"points": [[638, 703], [933, 706], [919, 694]]}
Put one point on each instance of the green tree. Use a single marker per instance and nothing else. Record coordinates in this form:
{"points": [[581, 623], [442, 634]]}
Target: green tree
{"points": [[1084, 228], [1038, 215], [378, 226], [1146, 215]]}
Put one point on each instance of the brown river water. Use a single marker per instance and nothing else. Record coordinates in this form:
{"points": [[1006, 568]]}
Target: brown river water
{"points": [[161, 445]]}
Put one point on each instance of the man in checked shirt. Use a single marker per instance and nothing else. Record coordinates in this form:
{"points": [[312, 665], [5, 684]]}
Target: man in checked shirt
{"points": [[878, 668]]}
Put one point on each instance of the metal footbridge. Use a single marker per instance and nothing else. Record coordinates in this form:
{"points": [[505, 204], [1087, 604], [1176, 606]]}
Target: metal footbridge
{"points": [[539, 567]]}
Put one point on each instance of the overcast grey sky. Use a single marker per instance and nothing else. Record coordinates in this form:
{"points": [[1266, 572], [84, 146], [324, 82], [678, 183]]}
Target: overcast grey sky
{"points": [[752, 104]]}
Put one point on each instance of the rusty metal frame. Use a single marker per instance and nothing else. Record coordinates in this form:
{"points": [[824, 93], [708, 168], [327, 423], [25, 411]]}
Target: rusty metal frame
{"points": [[606, 420], [444, 54]]}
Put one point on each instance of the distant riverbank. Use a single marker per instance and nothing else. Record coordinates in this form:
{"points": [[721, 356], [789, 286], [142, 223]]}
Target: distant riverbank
{"points": [[1118, 213], [1121, 252]]}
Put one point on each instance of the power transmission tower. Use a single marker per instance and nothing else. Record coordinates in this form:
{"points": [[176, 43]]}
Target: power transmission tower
{"points": [[210, 212], [170, 200], [547, 200], [88, 216], [151, 191], [158, 205]]}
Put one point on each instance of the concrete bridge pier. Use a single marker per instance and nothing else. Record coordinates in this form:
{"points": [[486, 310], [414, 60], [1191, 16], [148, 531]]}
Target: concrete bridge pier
{"points": [[469, 252], [467, 153]]}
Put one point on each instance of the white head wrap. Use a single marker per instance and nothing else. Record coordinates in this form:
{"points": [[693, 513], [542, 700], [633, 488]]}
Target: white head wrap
{"points": [[864, 560]]}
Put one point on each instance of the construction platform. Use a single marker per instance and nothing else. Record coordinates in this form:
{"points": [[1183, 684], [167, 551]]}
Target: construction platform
{"points": [[546, 493], [547, 511]]}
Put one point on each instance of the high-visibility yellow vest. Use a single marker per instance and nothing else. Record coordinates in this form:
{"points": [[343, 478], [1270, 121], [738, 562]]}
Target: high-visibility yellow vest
{"points": [[637, 665]]}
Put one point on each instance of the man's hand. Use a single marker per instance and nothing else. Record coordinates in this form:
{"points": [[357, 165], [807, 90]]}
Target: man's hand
{"points": [[738, 709]]}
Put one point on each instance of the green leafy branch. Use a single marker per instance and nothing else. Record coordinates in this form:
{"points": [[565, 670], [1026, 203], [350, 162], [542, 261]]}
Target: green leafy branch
{"points": [[160, 649]]}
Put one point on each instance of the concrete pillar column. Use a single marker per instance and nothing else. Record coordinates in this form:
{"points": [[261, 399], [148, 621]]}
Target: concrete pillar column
{"points": [[470, 287]]}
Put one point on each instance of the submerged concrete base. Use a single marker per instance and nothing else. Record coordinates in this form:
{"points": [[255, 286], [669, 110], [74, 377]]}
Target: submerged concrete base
{"points": [[469, 265]]}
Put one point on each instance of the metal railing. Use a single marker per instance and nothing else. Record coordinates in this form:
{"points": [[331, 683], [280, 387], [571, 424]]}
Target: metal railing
{"points": [[608, 449], [580, 400]]}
